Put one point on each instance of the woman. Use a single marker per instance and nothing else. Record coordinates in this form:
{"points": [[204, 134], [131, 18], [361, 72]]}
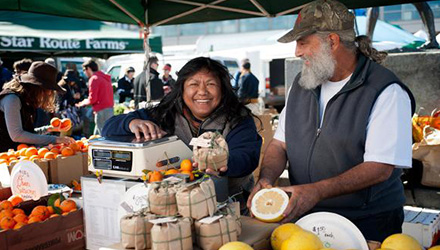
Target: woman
{"points": [[19, 100], [203, 100]]}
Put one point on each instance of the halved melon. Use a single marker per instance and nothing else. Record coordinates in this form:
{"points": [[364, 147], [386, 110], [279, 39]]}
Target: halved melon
{"points": [[269, 204]]}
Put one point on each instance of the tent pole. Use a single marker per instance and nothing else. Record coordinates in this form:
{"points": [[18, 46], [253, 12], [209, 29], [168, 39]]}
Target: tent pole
{"points": [[147, 51]]}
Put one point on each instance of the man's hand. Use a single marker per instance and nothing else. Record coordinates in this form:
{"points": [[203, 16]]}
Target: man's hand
{"points": [[302, 199], [262, 183], [150, 130]]}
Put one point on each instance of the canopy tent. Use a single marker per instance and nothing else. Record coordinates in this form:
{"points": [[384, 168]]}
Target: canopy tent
{"points": [[158, 12], [22, 32]]}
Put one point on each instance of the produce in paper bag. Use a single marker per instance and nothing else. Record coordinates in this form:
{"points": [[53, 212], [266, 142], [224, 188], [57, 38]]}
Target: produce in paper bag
{"points": [[233, 209], [136, 230], [214, 232], [197, 200], [172, 235], [162, 199], [212, 151]]}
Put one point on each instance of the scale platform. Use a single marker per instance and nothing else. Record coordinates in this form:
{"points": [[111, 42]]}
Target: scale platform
{"points": [[126, 156]]}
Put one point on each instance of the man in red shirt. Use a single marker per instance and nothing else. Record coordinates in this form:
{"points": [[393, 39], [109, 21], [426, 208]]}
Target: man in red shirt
{"points": [[100, 95]]}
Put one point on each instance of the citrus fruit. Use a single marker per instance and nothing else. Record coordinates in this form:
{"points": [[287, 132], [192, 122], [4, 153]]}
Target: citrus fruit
{"points": [[191, 176], [21, 146], [302, 240], [20, 218], [42, 152], [7, 223], [41, 212], [19, 225], [282, 233], [4, 156], [401, 242], [6, 213], [55, 122], [15, 200], [49, 155], [435, 248], [6, 205], [34, 219], [186, 165], [75, 146], [236, 245], [67, 205], [269, 204], [16, 211], [54, 215], [31, 151], [67, 151], [66, 123], [154, 176], [172, 171]]}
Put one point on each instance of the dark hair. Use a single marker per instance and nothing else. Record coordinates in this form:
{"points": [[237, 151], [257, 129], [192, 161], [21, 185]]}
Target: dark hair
{"points": [[153, 59], [22, 65], [164, 114], [247, 66], [91, 64]]}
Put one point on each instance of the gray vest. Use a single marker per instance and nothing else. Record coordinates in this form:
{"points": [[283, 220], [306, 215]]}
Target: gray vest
{"points": [[317, 153], [183, 131]]}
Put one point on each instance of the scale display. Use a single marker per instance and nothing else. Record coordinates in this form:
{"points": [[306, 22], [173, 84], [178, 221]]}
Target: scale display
{"points": [[112, 159]]}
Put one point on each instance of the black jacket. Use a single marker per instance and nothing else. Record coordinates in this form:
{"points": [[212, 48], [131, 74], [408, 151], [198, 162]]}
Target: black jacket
{"points": [[140, 87]]}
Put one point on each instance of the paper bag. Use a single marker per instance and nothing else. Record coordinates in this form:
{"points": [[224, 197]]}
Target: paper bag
{"points": [[428, 152], [172, 235], [214, 155], [162, 199], [233, 209], [211, 236], [197, 200], [136, 231]]}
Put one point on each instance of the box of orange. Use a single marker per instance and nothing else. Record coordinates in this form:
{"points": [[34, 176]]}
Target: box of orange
{"points": [[42, 163], [64, 169], [61, 232]]}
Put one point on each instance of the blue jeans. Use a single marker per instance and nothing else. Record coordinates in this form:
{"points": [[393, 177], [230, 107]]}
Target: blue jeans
{"points": [[100, 118]]}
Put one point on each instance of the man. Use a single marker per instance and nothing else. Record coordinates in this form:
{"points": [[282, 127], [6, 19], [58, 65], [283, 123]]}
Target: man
{"points": [[125, 85], [156, 85], [100, 95], [5, 74], [346, 128], [247, 84], [167, 79]]}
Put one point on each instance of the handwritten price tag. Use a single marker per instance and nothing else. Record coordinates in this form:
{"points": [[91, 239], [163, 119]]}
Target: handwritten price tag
{"points": [[28, 181]]}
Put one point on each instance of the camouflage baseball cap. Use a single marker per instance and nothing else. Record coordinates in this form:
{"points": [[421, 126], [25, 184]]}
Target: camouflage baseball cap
{"points": [[320, 15]]}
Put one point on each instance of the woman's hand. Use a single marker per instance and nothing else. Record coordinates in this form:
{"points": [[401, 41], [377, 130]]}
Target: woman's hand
{"points": [[150, 130], [65, 140], [211, 171]]}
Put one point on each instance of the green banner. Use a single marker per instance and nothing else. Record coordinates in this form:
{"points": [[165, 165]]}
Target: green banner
{"points": [[17, 43]]}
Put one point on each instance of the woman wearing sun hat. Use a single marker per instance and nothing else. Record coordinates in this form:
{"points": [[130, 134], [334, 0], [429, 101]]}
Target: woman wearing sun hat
{"points": [[19, 100]]}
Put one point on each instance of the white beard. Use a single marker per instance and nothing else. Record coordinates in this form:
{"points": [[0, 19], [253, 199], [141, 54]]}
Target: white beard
{"points": [[320, 69]]}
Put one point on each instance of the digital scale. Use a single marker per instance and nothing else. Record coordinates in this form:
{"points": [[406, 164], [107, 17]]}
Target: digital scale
{"points": [[125, 156]]}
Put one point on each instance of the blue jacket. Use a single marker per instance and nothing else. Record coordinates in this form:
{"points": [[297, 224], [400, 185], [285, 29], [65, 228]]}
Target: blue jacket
{"points": [[243, 140]]}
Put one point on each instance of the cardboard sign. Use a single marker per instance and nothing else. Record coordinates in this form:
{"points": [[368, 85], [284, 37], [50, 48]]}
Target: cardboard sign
{"points": [[28, 181]]}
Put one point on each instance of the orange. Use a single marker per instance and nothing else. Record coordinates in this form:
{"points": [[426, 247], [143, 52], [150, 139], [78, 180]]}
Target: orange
{"points": [[6, 213], [65, 213], [186, 165], [13, 158], [67, 151], [6, 205], [65, 123], [191, 176], [21, 146], [15, 200], [34, 158], [67, 205], [23, 158], [4, 156], [16, 211], [20, 218], [40, 212], [49, 155], [55, 150], [50, 209], [75, 147], [42, 152], [4, 161], [34, 219], [55, 122], [172, 171], [57, 203], [80, 143], [19, 225], [31, 151], [7, 223], [22, 152], [53, 215], [154, 176]]}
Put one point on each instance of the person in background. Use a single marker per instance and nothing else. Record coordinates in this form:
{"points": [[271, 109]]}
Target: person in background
{"points": [[22, 66], [238, 73], [346, 128], [52, 62], [167, 79], [156, 85], [125, 85], [5, 74], [248, 88], [19, 100], [100, 95], [203, 100]]}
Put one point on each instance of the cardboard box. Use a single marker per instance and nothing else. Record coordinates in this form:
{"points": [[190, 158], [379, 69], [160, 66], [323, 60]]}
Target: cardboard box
{"points": [[62, 232], [266, 131], [422, 224], [42, 163], [85, 163], [65, 169]]}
